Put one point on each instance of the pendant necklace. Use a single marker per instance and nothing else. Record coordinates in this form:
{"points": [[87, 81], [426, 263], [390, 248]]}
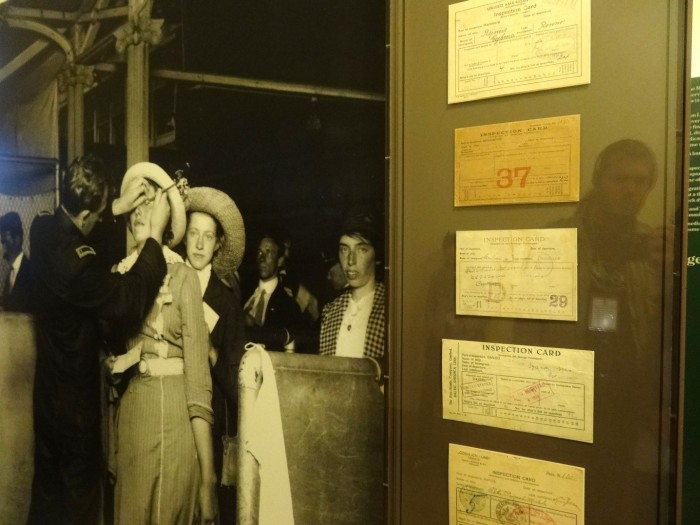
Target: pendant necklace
{"points": [[353, 310]]}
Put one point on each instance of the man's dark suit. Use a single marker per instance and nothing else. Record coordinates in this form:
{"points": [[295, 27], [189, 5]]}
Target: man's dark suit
{"points": [[283, 320], [19, 298]]}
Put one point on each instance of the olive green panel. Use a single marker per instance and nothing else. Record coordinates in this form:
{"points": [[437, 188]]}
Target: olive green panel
{"points": [[633, 94]]}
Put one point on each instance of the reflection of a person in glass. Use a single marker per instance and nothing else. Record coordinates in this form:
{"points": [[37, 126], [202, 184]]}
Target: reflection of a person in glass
{"points": [[619, 260], [622, 247], [619, 256], [619, 296]]}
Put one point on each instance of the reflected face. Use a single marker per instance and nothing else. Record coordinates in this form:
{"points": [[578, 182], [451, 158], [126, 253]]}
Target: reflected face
{"points": [[357, 257], [140, 218], [201, 240], [624, 186], [268, 258]]}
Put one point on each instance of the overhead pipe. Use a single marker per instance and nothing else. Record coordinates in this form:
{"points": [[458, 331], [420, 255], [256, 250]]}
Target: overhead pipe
{"points": [[266, 85], [252, 84]]}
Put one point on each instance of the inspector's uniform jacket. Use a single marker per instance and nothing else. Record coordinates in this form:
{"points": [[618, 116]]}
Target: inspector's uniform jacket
{"points": [[70, 295]]}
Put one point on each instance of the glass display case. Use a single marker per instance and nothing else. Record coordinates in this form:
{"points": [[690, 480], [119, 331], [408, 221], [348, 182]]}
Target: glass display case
{"points": [[629, 227]]}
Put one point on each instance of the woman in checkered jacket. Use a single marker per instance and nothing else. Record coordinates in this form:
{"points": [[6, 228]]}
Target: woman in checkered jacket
{"points": [[353, 324]]}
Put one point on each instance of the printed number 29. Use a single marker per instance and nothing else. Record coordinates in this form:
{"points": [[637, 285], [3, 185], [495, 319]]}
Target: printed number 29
{"points": [[506, 176], [558, 300]]}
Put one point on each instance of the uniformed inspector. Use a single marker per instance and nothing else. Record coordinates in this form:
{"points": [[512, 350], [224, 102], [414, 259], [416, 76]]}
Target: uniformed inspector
{"points": [[72, 292]]}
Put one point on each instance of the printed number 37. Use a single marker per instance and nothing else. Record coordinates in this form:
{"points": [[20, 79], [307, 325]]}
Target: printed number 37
{"points": [[506, 176]]}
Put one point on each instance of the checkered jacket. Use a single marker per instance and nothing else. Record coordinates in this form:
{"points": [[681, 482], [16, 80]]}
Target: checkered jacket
{"points": [[332, 318]]}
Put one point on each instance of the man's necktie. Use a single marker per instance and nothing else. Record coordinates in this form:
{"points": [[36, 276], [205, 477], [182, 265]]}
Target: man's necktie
{"points": [[259, 312]]}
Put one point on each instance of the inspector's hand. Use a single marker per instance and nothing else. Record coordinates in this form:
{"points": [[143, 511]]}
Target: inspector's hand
{"points": [[159, 215], [131, 198]]}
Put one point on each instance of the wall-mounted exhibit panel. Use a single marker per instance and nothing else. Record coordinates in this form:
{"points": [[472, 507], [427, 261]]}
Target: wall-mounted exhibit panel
{"points": [[535, 297]]}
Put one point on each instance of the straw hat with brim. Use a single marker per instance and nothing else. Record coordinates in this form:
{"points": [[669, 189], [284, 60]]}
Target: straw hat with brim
{"points": [[220, 206], [156, 174]]}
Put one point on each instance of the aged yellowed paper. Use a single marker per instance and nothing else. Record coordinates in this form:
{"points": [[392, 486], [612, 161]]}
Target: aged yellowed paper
{"points": [[517, 273], [487, 488], [518, 162], [503, 47], [534, 389]]}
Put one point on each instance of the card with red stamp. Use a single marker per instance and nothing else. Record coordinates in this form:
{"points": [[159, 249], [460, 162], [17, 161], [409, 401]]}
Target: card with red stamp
{"points": [[487, 487]]}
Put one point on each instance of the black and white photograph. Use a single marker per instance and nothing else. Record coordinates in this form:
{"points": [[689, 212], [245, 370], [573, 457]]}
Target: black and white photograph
{"points": [[193, 276]]}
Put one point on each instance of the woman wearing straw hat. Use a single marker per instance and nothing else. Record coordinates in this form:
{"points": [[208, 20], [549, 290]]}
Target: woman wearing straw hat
{"points": [[165, 468], [215, 242]]}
